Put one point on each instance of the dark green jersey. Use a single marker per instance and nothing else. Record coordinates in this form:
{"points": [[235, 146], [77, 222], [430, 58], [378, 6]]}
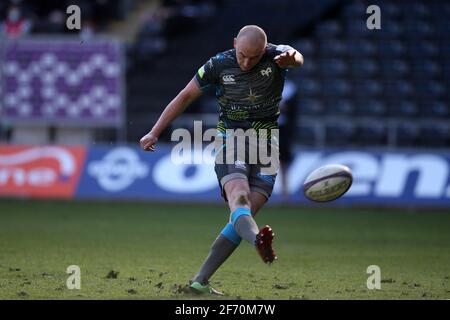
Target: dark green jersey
{"points": [[247, 99]]}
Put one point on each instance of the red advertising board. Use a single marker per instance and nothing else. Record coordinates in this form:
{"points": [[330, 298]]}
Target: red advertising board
{"points": [[40, 171]]}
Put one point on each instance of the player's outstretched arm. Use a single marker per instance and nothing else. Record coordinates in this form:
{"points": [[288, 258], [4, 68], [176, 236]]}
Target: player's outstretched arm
{"points": [[186, 96], [289, 59]]}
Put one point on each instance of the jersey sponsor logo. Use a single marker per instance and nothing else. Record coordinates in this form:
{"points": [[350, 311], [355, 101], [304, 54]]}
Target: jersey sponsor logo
{"points": [[228, 79], [45, 171], [266, 72], [120, 168]]}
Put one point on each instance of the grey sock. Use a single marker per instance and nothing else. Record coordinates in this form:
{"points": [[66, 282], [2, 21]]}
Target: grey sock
{"points": [[246, 228], [221, 249]]}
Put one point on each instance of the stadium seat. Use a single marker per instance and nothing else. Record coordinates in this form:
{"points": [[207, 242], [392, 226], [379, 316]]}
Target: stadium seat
{"points": [[340, 107], [431, 89], [335, 88], [328, 29], [434, 109], [397, 89], [338, 134], [310, 107], [363, 68], [306, 135], [370, 108], [366, 88], [425, 68], [359, 48], [422, 49], [434, 135], [309, 87], [402, 108], [406, 135], [393, 68], [332, 67], [372, 133], [331, 48], [389, 48]]}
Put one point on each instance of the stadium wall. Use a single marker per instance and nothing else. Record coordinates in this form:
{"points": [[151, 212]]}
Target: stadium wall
{"points": [[124, 172]]}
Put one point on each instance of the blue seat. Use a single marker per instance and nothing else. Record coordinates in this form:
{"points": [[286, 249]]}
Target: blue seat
{"points": [[397, 88], [311, 107], [332, 67], [328, 29], [341, 107], [425, 68], [370, 108], [434, 109], [434, 135], [339, 134], [402, 109], [388, 48], [363, 68], [406, 135], [431, 89], [371, 133], [331, 48], [366, 88], [359, 48], [335, 88], [306, 135], [393, 68], [309, 87], [422, 49]]}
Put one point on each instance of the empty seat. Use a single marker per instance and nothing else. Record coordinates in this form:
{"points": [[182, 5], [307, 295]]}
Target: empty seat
{"points": [[371, 133], [335, 88], [339, 134], [370, 108], [328, 29], [306, 135], [428, 89], [366, 88], [332, 67], [396, 88], [406, 135], [341, 107], [402, 108], [425, 68], [331, 48], [388, 48], [434, 109], [311, 107], [309, 87], [434, 135], [359, 48], [363, 68], [421, 49], [393, 68]]}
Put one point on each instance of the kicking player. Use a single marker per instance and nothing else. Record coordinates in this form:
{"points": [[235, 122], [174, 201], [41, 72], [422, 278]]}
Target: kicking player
{"points": [[248, 81]]}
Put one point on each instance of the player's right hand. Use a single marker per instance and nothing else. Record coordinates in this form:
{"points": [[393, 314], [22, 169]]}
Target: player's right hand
{"points": [[148, 142]]}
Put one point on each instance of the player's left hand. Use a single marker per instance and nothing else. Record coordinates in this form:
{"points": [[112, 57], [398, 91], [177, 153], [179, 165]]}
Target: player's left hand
{"points": [[286, 59]]}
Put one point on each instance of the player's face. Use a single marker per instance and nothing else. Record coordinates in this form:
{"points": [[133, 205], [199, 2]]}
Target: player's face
{"points": [[248, 55]]}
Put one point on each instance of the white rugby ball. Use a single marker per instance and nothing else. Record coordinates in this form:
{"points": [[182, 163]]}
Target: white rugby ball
{"points": [[327, 183]]}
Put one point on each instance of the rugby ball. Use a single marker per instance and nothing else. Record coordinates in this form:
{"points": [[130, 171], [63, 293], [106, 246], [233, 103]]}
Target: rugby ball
{"points": [[327, 183]]}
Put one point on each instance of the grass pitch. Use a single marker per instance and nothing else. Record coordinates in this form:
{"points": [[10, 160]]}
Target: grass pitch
{"points": [[145, 251]]}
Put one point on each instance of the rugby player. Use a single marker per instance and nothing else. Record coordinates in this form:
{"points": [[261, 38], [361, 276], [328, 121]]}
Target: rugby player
{"points": [[248, 82]]}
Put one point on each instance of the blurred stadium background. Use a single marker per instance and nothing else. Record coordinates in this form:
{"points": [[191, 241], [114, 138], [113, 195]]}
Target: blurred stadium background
{"points": [[74, 104]]}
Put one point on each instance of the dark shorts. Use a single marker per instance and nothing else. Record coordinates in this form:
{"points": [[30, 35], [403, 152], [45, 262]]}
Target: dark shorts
{"points": [[236, 162]]}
